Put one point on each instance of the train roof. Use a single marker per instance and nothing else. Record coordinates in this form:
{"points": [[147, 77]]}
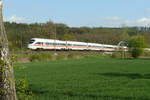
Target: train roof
{"points": [[73, 42], [41, 39], [46, 40]]}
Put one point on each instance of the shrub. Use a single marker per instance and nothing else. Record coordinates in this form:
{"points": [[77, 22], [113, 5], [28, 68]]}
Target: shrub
{"points": [[136, 52], [60, 57], [147, 53], [128, 55], [137, 45], [116, 55], [14, 58], [46, 56], [22, 89], [35, 57], [70, 56], [119, 55], [40, 57]]}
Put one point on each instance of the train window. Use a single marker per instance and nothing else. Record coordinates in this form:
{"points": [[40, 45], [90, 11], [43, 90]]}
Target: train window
{"points": [[63, 44], [69, 44], [31, 41], [50, 43], [39, 43], [56, 44], [46, 43], [79, 45]]}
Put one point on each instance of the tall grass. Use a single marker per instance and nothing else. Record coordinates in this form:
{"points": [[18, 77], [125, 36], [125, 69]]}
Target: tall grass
{"points": [[40, 57]]}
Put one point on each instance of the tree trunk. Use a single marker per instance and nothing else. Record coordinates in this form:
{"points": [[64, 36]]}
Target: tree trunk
{"points": [[7, 84]]}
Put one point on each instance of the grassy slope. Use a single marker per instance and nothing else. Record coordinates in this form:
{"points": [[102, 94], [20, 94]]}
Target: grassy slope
{"points": [[94, 78]]}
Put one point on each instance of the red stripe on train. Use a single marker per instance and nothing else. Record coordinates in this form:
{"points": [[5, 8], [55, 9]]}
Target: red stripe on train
{"points": [[72, 47]]}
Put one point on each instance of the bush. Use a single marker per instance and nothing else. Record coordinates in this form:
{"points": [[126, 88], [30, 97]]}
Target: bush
{"points": [[128, 55], [60, 57], [14, 58], [70, 56], [46, 56], [137, 45], [147, 53], [22, 89], [119, 55], [35, 57], [136, 52], [40, 57], [116, 55]]}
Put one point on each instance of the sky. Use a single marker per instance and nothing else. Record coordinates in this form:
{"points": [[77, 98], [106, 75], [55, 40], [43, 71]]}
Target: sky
{"points": [[77, 13]]}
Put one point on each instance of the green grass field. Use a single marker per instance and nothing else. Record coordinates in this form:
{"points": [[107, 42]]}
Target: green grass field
{"points": [[91, 78]]}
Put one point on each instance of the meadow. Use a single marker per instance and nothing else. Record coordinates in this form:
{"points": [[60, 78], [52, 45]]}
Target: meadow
{"points": [[90, 78]]}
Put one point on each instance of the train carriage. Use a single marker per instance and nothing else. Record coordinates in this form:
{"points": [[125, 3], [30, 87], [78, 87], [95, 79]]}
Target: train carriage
{"points": [[50, 44]]}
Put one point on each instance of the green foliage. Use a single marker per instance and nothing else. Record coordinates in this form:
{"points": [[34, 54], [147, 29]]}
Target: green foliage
{"points": [[35, 57], [116, 55], [70, 56], [60, 57], [147, 53], [20, 34], [40, 57], [22, 86], [11, 47], [46, 56], [125, 36], [51, 32], [128, 55], [119, 55], [137, 42], [69, 37], [2, 63], [92, 78], [137, 45], [22, 89], [14, 58], [136, 52]]}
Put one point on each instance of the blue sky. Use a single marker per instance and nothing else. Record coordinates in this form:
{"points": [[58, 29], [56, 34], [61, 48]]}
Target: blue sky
{"points": [[76, 13]]}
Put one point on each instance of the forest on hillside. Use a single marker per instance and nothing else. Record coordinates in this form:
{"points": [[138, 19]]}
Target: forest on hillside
{"points": [[20, 33]]}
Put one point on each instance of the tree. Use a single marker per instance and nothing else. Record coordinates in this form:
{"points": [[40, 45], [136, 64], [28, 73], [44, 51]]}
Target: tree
{"points": [[137, 45], [124, 35], [7, 84], [69, 37], [51, 29]]}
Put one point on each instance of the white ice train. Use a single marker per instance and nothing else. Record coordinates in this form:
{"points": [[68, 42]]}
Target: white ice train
{"points": [[50, 44]]}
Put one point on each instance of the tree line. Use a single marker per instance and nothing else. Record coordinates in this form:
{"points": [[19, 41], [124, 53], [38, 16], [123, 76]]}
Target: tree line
{"points": [[20, 33]]}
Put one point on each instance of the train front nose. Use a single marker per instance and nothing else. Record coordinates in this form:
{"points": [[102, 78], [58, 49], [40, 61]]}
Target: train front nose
{"points": [[29, 46]]}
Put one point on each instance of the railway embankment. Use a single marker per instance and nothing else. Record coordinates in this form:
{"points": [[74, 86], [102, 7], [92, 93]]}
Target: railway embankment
{"points": [[37, 56]]}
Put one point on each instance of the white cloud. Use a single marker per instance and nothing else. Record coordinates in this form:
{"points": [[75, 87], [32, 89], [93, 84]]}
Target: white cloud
{"points": [[138, 22], [144, 20], [113, 18], [16, 19]]}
